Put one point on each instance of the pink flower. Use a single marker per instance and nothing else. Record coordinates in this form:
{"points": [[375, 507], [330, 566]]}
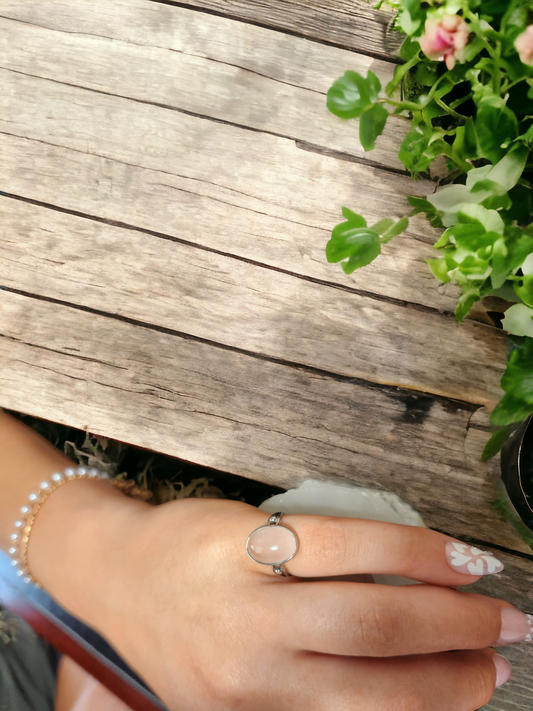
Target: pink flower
{"points": [[524, 45], [445, 39]]}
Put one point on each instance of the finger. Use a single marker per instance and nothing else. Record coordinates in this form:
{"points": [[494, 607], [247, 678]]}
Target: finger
{"points": [[331, 545], [462, 681], [385, 621]]}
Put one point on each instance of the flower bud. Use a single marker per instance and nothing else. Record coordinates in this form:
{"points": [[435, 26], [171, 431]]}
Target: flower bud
{"points": [[524, 45], [445, 39]]}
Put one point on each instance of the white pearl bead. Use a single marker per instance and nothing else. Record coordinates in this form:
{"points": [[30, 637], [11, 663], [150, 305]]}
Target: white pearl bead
{"points": [[93, 472], [57, 477], [104, 475], [44, 485], [14, 536], [27, 580], [14, 562], [18, 524], [82, 471], [69, 472], [25, 509], [12, 551], [33, 497], [20, 573]]}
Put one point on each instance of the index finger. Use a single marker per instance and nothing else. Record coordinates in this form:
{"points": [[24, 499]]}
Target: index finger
{"points": [[332, 546]]}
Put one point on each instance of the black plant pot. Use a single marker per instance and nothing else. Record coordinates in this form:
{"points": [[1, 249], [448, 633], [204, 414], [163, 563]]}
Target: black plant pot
{"points": [[517, 478]]}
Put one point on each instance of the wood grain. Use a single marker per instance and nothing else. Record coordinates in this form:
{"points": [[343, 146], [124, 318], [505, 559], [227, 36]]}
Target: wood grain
{"points": [[347, 23], [246, 75], [253, 195], [246, 306], [240, 413]]}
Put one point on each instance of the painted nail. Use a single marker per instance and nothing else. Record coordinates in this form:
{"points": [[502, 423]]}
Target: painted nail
{"points": [[472, 561], [516, 626], [503, 670]]}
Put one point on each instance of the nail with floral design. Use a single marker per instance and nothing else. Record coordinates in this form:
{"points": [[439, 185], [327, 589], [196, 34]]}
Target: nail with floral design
{"points": [[472, 561]]}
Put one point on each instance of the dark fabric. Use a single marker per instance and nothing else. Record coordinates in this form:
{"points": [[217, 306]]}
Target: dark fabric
{"points": [[27, 667]]}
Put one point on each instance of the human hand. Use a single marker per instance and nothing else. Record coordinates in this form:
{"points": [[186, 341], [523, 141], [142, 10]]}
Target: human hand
{"points": [[208, 628]]}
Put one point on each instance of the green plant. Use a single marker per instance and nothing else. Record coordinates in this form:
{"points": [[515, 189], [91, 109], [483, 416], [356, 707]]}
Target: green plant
{"points": [[466, 87]]}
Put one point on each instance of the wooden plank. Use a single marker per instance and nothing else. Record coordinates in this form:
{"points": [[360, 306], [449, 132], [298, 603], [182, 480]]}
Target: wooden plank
{"points": [[350, 24], [244, 414], [246, 306], [195, 62], [253, 195], [347, 23]]}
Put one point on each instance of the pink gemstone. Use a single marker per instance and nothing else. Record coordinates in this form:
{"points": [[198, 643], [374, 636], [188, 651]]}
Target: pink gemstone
{"points": [[272, 544]]}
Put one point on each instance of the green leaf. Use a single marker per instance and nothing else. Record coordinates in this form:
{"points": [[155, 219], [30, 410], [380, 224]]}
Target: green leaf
{"points": [[500, 266], [355, 246], [373, 85], [349, 96], [490, 219], [527, 265], [353, 217], [419, 149], [371, 125], [439, 269], [496, 125], [473, 48], [452, 198], [423, 205], [409, 49], [465, 303], [395, 230], [504, 175], [352, 94], [510, 410], [382, 226], [519, 320], [466, 144], [496, 442], [518, 377], [524, 290]]}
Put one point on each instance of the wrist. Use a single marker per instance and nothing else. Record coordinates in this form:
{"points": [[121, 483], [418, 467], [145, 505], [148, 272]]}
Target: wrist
{"points": [[79, 547]]}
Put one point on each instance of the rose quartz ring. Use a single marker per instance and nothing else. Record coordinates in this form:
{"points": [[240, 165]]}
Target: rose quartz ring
{"points": [[272, 544]]}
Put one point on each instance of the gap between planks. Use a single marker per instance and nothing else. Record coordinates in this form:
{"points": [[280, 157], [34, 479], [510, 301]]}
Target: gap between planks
{"points": [[347, 24], [167, 284], [209, 66]]}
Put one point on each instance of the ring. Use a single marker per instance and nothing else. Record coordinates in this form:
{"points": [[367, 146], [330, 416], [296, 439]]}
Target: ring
{"points": [[272, 544]]}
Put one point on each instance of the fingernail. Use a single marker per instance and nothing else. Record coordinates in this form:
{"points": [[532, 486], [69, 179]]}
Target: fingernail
{"points": [[503, 670], [516, 626], [472, 561]]}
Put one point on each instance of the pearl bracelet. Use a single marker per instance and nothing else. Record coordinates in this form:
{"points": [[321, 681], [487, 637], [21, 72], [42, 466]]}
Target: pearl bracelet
{"points": [[20, 538]]}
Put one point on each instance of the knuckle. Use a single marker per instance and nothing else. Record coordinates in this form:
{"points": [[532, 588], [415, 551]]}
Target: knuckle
{"points": [[330, 542], [228, 685], [377, 630], [410, 547]]}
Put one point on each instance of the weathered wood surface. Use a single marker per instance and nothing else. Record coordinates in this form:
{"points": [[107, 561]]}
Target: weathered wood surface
{"points": [[347, 23], [245, 306], [249, 194], [255, 78]]}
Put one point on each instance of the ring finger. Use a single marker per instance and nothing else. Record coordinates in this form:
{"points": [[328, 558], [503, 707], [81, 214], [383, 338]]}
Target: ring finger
{"points": [[335, 546], [359, 620]]}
